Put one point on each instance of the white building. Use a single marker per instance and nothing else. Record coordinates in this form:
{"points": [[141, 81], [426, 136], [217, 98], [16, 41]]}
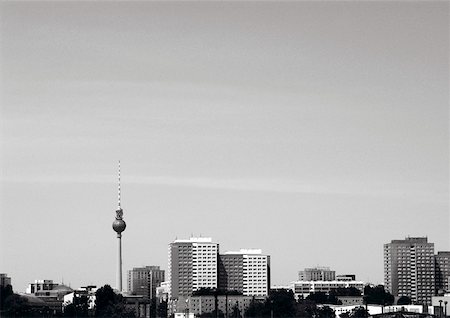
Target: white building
{"points": [[304, 288], [256, 273], [192, 265], [88, 291], [376, 309]]}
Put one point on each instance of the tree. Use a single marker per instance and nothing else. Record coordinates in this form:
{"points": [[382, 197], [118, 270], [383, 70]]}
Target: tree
{"points": [[110, 304], [282, 303], [162, 309], [325, 312], [345, 291], [377, 295], [16, 306], [235, 312], [5, 292], [359, 312], [306, 308], [257, 309], [404, 300], [78, 308], [323, 298]]}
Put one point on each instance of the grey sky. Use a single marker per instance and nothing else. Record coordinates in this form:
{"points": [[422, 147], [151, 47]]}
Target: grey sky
{"points": [[316, 131]]}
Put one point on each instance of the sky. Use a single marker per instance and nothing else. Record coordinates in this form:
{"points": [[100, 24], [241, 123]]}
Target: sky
{"points": [[315, 131]]}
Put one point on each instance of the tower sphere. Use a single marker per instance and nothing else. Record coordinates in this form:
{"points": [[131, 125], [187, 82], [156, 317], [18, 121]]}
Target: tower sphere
{"points": [[119, 225]]}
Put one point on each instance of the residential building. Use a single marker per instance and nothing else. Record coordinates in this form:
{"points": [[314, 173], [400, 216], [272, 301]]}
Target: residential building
{"points": [[442, 269], [246, 271], [228, 304], [193, 265], [4, 280], [317, 274], [144, 281], [302, 289], [409, 269]]}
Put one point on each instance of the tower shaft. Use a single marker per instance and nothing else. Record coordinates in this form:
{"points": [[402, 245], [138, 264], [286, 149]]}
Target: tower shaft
{"points": [[119, 263]]}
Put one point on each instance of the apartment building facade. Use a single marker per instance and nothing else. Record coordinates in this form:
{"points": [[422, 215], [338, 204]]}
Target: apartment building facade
{"points": [[409, 269]]}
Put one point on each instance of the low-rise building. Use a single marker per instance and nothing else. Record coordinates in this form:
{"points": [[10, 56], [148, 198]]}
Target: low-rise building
{"points": [[51, 293], [88, 291], [227, 304], [302, 289], [440, 305], [317, 274], [40, 285], [351, 300]]}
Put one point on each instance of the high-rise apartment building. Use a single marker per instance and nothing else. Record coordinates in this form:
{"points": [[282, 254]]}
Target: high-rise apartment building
{"points": [[409, 269], [144, 280], [317, 274], [245, 271], [442, 268], [192, 265]]}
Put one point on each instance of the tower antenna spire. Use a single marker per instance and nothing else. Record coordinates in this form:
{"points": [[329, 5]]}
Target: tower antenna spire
{"points": [[118, 191]]}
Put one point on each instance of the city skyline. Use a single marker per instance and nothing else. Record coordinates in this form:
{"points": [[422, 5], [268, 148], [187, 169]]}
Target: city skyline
{"points": [[318, 127]]}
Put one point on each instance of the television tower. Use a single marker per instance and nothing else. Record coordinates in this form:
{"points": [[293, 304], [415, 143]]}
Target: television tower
{"points": [[119, 226]]}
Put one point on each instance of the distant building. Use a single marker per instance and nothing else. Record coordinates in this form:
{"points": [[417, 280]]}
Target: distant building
{"points": [[246, 271], [317, 274], [302, 289], [345, 278], [144, 281], [162, 292], [88, 291], [398, 311], [440, 305], [192, 265], [4, 280], [199, 305], [351, 300], [40, 285], [442, 269], [49, 292], [409, 269]]}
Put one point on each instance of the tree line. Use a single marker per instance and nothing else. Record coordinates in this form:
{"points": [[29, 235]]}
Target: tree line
{"points": [[280, 303]]}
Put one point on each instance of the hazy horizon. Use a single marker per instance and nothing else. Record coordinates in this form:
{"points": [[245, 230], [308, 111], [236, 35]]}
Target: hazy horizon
{"points": [[315, 131]]}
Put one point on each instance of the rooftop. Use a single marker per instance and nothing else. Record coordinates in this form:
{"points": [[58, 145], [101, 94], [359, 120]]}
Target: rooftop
{"points": [[195, 240], [245, 252]]}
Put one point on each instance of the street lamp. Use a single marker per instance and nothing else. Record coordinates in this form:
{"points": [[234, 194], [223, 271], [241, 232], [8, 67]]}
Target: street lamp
{"points": [[271, 308], [440, 308], [445, 308], [187, 308]]}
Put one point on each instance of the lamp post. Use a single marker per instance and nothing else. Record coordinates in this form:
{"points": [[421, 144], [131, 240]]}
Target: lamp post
{"points": [[445, 308], [440, 308], [271, 308], [187, 307]]}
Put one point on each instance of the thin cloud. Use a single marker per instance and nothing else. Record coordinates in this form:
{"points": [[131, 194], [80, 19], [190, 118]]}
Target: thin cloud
{"points": [[288, 186]]}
